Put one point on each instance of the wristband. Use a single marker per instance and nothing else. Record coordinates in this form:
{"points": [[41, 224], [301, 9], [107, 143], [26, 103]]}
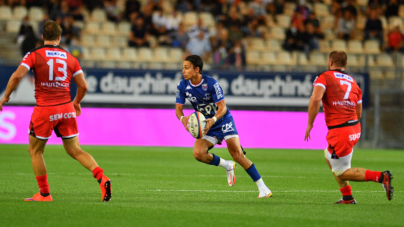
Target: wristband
{"points": [[214, 118], [181, 118]]}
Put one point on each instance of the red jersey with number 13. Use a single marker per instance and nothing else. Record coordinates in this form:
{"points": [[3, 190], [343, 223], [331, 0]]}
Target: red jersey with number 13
{"points": [[341, 96], [53, 68]]}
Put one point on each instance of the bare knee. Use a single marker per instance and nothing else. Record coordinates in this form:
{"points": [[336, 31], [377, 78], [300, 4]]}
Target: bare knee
{"points": [[74, 152], [199, 155], [238, 156], [35, 152]]}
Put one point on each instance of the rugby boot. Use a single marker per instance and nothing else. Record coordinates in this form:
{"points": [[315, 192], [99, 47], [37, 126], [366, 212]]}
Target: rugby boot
{"points": [[106, 190], [342, 201], [387, 177], [231, 177], [39, 198], [265, 193]]}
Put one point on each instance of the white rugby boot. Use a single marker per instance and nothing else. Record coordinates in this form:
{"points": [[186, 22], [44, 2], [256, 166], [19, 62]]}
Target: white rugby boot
{"points": [[265, 193], [231, 177]]}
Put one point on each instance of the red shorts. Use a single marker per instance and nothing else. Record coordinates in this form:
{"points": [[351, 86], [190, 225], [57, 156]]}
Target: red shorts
{"points": [[342, 140], [61, 118]]}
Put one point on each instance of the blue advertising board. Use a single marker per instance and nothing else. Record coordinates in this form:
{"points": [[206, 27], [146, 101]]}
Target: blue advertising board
{"points": [[242, 88]]}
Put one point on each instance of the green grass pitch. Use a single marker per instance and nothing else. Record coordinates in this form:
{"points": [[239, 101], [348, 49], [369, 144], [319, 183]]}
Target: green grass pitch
{"points": [[168, 187]]}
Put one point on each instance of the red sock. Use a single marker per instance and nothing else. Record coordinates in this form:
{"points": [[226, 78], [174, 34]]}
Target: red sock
{"points": [[346, 191], [43, 184], [372, 175], [98, 173]]}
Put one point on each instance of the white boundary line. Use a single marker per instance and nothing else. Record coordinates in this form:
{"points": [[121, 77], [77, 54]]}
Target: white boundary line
{"points": [[282, 191]]}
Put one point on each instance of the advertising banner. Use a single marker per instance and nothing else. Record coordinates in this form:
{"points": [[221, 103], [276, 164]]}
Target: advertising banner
{"points": [[159, 86], [160, 127]]}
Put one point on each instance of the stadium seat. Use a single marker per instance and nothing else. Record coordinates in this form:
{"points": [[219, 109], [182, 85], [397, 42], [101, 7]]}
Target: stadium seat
{"points": [[352, 60], [278, 33], [362, 2], [268, 58], [273, 45], [361, 22], [301, 58], [113, 54], [338, 45], [318, 59], [92, 28], [108, 28], [107, 65], [160, 54], [130, 54], [329, 34], [86, 53], [372, 47], [284, 58], [401, 11], [355, 47], [79, 24], [13, 26], [5, 13], [321, 9], [97, 53], [395, 21], [324, 46], [175, 55], [158, 65], [87, 40], [376, 74], [328, 22], [289, 8], [123, 65], [385, 24], [384, 60], [256, 44], [19, 12], [190, 18], [283, 20], [390, 74], [253, 57], [103, 41], [145, 55], [98, 15], [171, 66], [35, 14], [119, 41], [207, 19], [370, 60], [124, 28]]}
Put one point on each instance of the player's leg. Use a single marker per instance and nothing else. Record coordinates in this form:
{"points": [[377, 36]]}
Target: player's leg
{"points": [[73, 148], [36, 149], [234, 147]]}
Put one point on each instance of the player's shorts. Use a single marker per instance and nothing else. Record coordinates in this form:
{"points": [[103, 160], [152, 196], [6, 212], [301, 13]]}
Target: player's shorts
{"points": [[225, 130], [340, 165], [60, 118]]}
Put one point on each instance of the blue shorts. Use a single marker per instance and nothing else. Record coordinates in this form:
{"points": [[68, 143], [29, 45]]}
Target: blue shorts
{"points": [[222, 130]]}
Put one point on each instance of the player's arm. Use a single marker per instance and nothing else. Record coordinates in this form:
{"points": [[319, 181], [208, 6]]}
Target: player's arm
{"points": [[221, 110], [81, 91], [13, 83], [180, 115], [359, 111], [314, 107]]}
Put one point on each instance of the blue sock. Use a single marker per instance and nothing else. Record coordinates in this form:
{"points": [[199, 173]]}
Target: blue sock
{"points": [[252, 171], [215, 161]]}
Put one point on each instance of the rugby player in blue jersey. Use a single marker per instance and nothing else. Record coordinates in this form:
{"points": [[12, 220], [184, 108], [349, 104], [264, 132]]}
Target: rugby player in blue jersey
{"points": [[206, 96]]}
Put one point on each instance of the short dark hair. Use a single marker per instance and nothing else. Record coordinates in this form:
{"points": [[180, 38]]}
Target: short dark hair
{"points": [[339, 58], [196, 61], [51, 30]]}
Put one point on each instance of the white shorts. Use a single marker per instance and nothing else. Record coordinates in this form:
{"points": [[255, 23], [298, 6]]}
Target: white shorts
{"points": [[339, 166], [214, 140]]}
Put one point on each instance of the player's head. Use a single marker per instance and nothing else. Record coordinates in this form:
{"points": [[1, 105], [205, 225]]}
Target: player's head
{"points": [[337, 60], [51, 31], [192, 66]]}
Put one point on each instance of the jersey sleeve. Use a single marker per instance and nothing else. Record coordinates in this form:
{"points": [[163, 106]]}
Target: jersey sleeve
{"points": [[180, 95], [359, 96], [28, 61], [77, 69], [217, 92], [320, 81]]}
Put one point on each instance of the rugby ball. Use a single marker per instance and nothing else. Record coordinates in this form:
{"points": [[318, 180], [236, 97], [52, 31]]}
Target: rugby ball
{"points": [[196, 124]]}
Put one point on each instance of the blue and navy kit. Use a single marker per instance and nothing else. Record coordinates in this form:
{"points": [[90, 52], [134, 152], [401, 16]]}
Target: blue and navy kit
{"points": [[203, 98]]}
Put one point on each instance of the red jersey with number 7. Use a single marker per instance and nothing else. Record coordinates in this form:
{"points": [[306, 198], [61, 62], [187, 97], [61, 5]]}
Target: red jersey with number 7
{"points": [[341, 96], [53, 68]]}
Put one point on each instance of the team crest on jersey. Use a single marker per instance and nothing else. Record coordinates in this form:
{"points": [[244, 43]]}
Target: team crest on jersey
{"points": [[205, 87], [56, 54]]}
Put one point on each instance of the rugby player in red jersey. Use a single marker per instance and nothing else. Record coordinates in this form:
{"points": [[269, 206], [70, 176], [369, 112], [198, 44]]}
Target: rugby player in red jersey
{"points": [[342, 103], [54, 68]]}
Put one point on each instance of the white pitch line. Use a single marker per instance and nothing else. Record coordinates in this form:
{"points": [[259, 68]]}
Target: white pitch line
{"points": [[285, 191]]}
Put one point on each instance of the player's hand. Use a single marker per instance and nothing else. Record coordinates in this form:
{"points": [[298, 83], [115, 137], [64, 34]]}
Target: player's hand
{"points": [[209, 123], [77, 107], [2, 101], [184, 122], [308, 129]]}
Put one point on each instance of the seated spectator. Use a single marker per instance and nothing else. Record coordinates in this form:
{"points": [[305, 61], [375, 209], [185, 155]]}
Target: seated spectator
{"points": [[275, 7], [391, 9], [75, 48], [64, 10], [139, 34], [350, 6], [248, 18], [112, 10], [346, 26], [78, 14], [312, 19], [195, 30], [183, 6], [258, 7], [298, 20], [311, 38], [29, 41], [336, 7], [180, 37], [233, 19], [235, 33], [395, 40], [25, 30], [294, 39], [159, 21], [41, 23], [74, 4], [374, 28], [172, 23], [131, 6], [237, 57], [199, 46], [303, 9]]}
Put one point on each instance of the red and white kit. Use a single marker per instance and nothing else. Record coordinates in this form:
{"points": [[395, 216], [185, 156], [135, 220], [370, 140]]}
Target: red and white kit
{"points": [[53, 68], [342, 94]]}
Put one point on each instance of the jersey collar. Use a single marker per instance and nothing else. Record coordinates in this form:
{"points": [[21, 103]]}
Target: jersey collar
{"points": [[196, 85]]}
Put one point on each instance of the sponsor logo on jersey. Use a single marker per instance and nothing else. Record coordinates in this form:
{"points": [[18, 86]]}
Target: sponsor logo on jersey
{"points": [[62, 115], [54, 84], [354, 137], [177, 93], [343, 76], [344, 103], [205, 87], [219, 93], [190, 97], [188, 88], [56, 54], [207, 97], [227, 127]]}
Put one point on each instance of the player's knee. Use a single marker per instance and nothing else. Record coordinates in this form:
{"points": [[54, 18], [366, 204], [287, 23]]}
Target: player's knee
{"points": [[199, 156], [34, 152], [238, 156]]}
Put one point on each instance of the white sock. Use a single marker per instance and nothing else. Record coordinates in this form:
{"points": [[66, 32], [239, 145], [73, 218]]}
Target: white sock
{"points": [[225, 164], [261, 185]]}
